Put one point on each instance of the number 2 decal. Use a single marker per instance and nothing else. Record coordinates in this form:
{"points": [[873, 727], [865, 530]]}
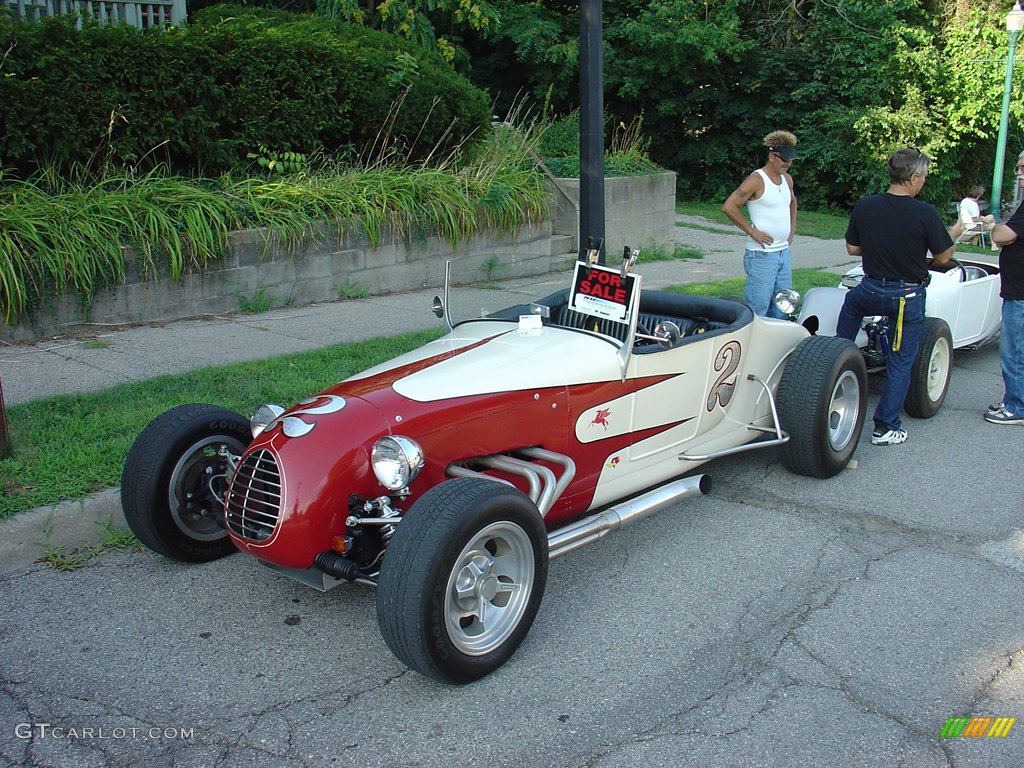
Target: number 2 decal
{"points": [[727, 361]]}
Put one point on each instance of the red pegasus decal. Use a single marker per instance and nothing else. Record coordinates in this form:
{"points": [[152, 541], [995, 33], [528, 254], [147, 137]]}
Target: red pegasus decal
{"points": [[601, 417]]}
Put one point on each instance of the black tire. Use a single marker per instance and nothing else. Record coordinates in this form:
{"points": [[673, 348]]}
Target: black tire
{"points": [[932, 370], [478, 537], [173, 483], [822, 399]]}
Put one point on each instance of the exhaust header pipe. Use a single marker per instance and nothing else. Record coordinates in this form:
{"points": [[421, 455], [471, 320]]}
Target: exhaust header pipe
{"points": [[596, 527]]}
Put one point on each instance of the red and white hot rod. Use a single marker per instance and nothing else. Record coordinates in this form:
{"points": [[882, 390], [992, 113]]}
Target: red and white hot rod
{"points": [[450, 476]]}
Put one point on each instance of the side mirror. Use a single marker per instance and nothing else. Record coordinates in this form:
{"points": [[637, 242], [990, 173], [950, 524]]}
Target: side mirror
{"points": [[667, 333], [437, 307]]}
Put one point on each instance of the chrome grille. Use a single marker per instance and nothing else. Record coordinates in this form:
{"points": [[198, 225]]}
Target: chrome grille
{"points": [[254, 499]]}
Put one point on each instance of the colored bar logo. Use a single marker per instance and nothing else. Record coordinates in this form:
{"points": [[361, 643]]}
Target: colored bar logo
{"points": [[977, 727]]}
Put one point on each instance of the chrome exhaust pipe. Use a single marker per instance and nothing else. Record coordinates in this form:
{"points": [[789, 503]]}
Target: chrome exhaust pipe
{"points": [[596, 527]]}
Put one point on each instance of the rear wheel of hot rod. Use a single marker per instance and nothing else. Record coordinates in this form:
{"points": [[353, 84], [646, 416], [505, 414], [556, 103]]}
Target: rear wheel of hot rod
{"points": [[173, 483], [462, 579], [931, 371], [822, 399]]}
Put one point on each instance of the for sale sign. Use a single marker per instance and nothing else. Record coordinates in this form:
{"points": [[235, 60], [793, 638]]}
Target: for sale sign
{"points": [[602, 292]]}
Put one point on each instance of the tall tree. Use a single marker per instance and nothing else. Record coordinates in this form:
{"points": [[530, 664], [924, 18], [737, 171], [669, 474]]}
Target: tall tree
{"points": [[416, 20]]}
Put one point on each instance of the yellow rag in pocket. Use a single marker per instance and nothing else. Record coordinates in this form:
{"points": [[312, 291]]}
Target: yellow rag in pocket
{"points": [[898, 338]]}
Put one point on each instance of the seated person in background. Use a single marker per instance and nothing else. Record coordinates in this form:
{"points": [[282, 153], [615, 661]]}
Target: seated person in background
{"points": [[970, 212]]}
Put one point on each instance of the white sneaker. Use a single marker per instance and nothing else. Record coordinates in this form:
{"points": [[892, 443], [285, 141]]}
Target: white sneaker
{"points": [[1003, 416], [888, 437], [994, 408]]}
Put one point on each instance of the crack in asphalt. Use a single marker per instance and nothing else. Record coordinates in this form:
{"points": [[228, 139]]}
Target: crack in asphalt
{"points": [[891, 535], [760, 634], [21, 692]]}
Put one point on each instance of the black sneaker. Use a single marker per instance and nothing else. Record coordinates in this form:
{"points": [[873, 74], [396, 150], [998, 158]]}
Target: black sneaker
{"points": [[994, 407], [1003, 416], [889, 436]]}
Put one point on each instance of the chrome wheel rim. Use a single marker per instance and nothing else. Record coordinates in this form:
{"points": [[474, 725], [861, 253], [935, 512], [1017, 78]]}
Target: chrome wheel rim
{"points": [[938, 370], [489, 588], [844, 411]]}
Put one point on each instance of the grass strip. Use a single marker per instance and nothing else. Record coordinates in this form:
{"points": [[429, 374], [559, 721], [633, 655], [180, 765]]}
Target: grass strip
{"points": [[68, 446], [803, 280]]}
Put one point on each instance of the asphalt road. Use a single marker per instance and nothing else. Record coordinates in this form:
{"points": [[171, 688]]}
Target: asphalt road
{"points": [[778, 621]]}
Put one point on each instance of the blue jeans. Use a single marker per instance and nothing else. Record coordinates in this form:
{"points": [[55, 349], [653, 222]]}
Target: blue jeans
{"points": [[1011, 355], [882, 297], [768, 272]]}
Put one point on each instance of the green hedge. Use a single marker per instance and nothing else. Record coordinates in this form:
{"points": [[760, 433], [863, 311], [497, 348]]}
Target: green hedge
{"points": [[201, 97]]}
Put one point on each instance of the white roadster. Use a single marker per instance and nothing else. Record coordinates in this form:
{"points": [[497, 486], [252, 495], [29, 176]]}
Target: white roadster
{"points": [[962, 311]]}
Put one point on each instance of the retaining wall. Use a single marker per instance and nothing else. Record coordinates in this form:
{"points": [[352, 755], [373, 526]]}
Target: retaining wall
{"points": [[640, 211]]}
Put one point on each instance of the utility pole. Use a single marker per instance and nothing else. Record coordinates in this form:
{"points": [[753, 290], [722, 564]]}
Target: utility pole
{"points": [[591, 226]]}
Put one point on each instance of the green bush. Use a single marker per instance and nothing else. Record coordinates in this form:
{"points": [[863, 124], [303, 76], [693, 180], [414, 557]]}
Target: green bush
{"points": [[626, 151], [203, 96]]}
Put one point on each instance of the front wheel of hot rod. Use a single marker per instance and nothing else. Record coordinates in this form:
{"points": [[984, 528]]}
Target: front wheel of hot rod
{"points": [[822, 399], [462, 579], [931, 371], [174, 481]]}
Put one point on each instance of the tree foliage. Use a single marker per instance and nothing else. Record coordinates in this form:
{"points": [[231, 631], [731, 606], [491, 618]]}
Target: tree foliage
{"points": [[202, 97], [420, 21], [854, 79]]}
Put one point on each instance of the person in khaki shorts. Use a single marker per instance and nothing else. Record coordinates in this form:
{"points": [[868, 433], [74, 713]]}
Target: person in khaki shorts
{"points": [[771, 204]]}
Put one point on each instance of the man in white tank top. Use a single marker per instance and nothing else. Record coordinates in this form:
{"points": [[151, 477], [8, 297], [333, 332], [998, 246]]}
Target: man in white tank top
{"points": [[771, 205]]}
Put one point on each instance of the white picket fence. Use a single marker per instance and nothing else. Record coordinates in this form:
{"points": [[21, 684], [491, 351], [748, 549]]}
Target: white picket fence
{"points": [[144, 15]]}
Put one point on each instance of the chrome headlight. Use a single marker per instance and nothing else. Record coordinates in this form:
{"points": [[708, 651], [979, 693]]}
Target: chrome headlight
{"points": [[262, 416], [787, 301], [396, 461]]}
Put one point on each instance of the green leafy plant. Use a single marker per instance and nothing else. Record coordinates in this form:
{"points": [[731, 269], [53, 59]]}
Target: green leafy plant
{"points": [[626, 153], [59, 560], [351, 290], [260, 301], [278, 162], [113, 538], [97, 344], [491, 268]]}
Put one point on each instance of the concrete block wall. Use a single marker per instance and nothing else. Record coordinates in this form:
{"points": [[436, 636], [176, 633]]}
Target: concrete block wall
{"points": [[329, 267], [640, 211]]}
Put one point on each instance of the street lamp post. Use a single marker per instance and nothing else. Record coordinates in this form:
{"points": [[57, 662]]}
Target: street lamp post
{"points": [[1014, 24], [591, 220]]}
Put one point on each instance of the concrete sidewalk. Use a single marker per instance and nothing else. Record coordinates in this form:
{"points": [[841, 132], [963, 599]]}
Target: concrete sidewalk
{"points": [[109, 357]]}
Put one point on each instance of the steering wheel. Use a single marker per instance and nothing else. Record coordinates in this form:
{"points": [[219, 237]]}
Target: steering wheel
{"points": [[953, 263], [643, 335]]}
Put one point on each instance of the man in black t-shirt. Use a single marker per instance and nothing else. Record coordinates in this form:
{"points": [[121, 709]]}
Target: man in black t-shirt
{"points": [[1010, 410], [893, 233]]}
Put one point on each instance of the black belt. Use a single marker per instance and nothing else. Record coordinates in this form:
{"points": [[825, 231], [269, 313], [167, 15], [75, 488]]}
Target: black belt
{"points": [[894, 281]]}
